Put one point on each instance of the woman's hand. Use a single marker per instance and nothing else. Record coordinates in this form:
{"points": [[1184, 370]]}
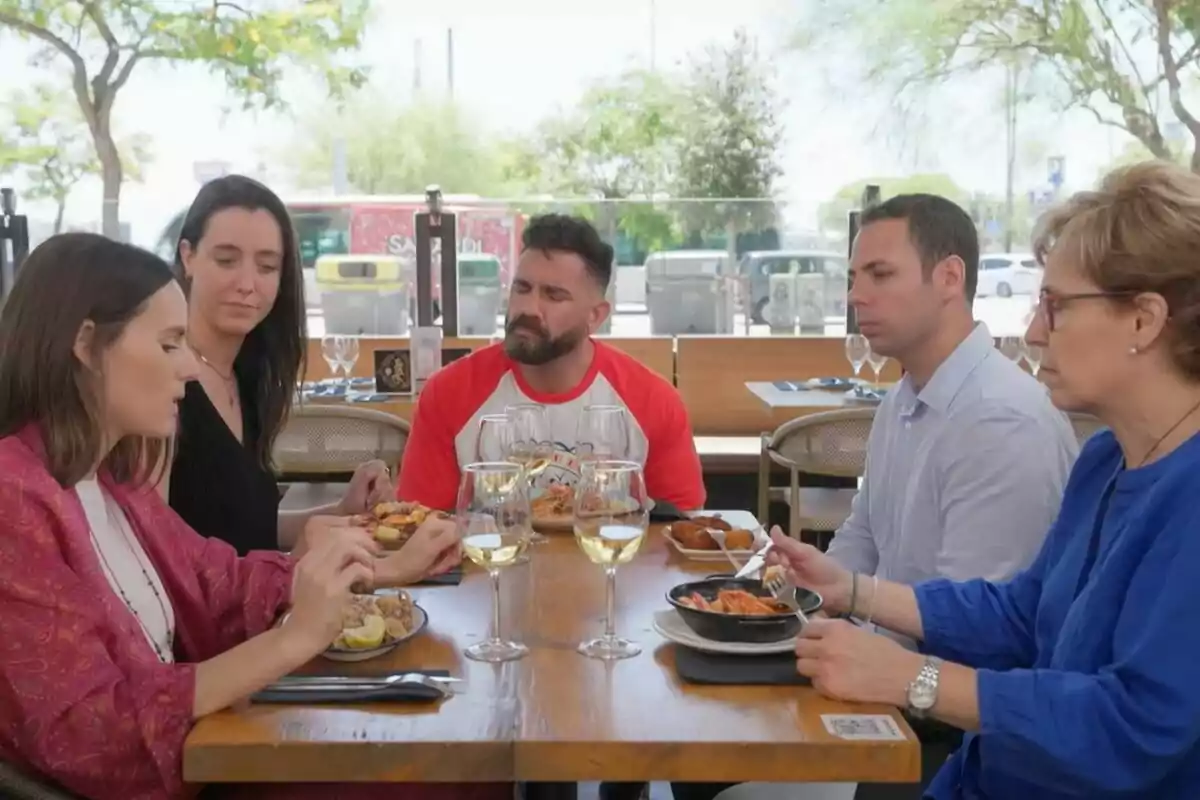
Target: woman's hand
{"points": [[850, 663], [321, 527], [371, 485], [321, 588], [434, 548], [811, 569]]}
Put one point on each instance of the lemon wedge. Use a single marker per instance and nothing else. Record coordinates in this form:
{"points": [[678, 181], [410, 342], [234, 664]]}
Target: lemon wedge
{"points": [[368, 635], [386, 533]]}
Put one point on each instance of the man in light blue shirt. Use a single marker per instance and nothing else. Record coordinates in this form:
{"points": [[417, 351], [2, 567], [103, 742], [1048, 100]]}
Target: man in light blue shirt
{"points": [[967, 458]]}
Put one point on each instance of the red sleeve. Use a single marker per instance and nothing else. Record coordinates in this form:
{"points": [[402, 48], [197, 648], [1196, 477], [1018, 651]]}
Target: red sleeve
{"points": [[244, 596], [429, 471], [672, 468], [66, 709]]}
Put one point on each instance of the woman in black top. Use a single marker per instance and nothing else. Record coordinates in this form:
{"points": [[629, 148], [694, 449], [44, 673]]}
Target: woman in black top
{"points": [[239, 262]]}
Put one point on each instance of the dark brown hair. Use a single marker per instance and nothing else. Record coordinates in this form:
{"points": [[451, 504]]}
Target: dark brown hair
{"points": [[67, 280], [1138, 232], [272, 357]]}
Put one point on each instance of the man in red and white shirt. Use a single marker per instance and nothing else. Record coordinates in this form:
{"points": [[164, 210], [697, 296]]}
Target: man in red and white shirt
{"points": [[548, 356]]}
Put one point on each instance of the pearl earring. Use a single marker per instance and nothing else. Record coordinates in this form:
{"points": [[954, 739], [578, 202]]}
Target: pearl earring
{"points": [[1133, 351]]}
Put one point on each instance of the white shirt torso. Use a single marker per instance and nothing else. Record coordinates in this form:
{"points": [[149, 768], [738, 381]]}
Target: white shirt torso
{"points": [[129, 571]]}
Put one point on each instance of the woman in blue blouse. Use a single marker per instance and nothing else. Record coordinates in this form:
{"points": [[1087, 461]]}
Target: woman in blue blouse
{"points": [[1081, 676]]}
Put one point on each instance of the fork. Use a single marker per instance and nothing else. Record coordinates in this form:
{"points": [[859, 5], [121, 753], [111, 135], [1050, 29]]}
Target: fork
{"points": [[783, 591]]}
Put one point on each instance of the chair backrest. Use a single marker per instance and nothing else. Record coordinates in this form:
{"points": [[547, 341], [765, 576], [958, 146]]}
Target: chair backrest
{"points": [[830, 443], [19, 785], [1085, 425], [325, 439]]}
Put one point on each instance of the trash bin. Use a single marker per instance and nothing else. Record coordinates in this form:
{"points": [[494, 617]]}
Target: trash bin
{"points": [[479, 293], [780, 309], [690, 291], [363, 295], [810, 303]]}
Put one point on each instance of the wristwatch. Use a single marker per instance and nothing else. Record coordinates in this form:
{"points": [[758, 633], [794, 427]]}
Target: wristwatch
{"points": [[923, 691]]}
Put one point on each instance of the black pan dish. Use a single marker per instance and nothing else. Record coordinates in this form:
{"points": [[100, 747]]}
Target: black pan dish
{"points": [[739, 627]]}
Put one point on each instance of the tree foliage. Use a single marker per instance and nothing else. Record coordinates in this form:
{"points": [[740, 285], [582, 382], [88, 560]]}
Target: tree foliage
{"points": [[732, 137], [102, 43], [1115, 59], [401, 150], [46, 147]]}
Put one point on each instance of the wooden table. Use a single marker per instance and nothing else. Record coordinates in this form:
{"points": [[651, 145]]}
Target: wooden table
{"points": [[555, 715]]}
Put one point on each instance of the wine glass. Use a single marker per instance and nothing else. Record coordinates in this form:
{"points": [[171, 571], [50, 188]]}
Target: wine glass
{"points": [[858, 349], [331, 351], [529, 445], [1011, 347], [602, 433], [611, 517], [349, 357], [876, 360], [493, 519], [494, 438], [1032, 353]]}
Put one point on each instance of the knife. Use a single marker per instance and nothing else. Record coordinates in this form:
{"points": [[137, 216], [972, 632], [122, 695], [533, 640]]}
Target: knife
{"points": [[755, 563], [361, 680]]}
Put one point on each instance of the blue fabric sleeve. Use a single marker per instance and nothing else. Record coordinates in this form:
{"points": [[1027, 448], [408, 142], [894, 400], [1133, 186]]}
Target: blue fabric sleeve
{"points": [[983, 624], [1126, 726]]}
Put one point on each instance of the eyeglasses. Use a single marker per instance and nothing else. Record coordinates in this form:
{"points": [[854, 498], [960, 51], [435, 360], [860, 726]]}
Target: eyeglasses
{"points": [[1049, 304]]}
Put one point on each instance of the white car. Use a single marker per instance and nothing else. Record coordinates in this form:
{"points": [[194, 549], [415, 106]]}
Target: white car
{"points": [[1006, 274]]}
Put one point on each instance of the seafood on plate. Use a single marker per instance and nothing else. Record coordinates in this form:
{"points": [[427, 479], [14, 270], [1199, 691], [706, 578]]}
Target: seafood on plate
{"points": [[372, 621], [393, 523], [736, 601]]}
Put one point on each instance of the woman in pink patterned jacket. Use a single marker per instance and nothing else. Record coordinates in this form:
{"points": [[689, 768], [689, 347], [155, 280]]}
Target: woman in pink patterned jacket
{"points": [[119, 625]]}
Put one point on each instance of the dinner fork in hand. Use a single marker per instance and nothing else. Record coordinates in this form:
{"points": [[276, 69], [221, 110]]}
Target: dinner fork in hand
{"points": [[783, 591]]}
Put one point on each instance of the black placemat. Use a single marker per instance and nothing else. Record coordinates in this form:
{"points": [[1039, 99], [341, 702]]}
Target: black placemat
{"points": [[696, 666], [452, 578], [396, 693], [666, 512]]}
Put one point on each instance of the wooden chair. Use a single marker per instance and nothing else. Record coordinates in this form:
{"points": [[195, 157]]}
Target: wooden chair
{"points": [[831, 443], [323, 440], [18, 785]]}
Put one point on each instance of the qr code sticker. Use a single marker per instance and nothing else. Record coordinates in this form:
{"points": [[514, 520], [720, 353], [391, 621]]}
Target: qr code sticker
{"points": [[863, 727]]}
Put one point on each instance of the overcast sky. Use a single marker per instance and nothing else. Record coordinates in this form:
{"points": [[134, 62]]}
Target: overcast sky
{"points": [[518, 60]]}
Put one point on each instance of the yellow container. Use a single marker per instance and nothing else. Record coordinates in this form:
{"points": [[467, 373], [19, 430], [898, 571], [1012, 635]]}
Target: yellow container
{"points": [[359, 273]]}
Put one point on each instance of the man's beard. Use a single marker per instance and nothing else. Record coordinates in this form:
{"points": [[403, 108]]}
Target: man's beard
{"points": [[543, 349]]}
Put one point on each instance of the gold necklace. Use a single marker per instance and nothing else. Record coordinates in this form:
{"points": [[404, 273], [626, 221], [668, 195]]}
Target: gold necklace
{"points": [[230, 380], [1170, 430]]}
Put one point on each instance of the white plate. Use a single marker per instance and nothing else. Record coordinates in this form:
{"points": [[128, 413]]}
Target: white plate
{"points": [[420, 620], [671, 626], [738, 519]]}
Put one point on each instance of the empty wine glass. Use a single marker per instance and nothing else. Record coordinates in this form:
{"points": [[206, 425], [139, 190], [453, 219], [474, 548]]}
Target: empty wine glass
{"points": [[857, 351], [494, 438], [877, 362], [331, 351], [602, 433], [529, 445], [1012, 347], [611, 517], [349, 357], [493, 519]]}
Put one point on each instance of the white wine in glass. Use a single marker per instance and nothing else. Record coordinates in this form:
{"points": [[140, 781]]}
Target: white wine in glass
{"points": [[611, 518], [493, 518]]}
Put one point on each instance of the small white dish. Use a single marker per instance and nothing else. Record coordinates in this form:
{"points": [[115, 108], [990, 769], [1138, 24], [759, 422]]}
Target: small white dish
{"points": [[669, 625], [736, 518], [420, 620]]}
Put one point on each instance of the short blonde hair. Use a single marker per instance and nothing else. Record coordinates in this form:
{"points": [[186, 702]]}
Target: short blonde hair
{"points": [[1139, 231]]}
